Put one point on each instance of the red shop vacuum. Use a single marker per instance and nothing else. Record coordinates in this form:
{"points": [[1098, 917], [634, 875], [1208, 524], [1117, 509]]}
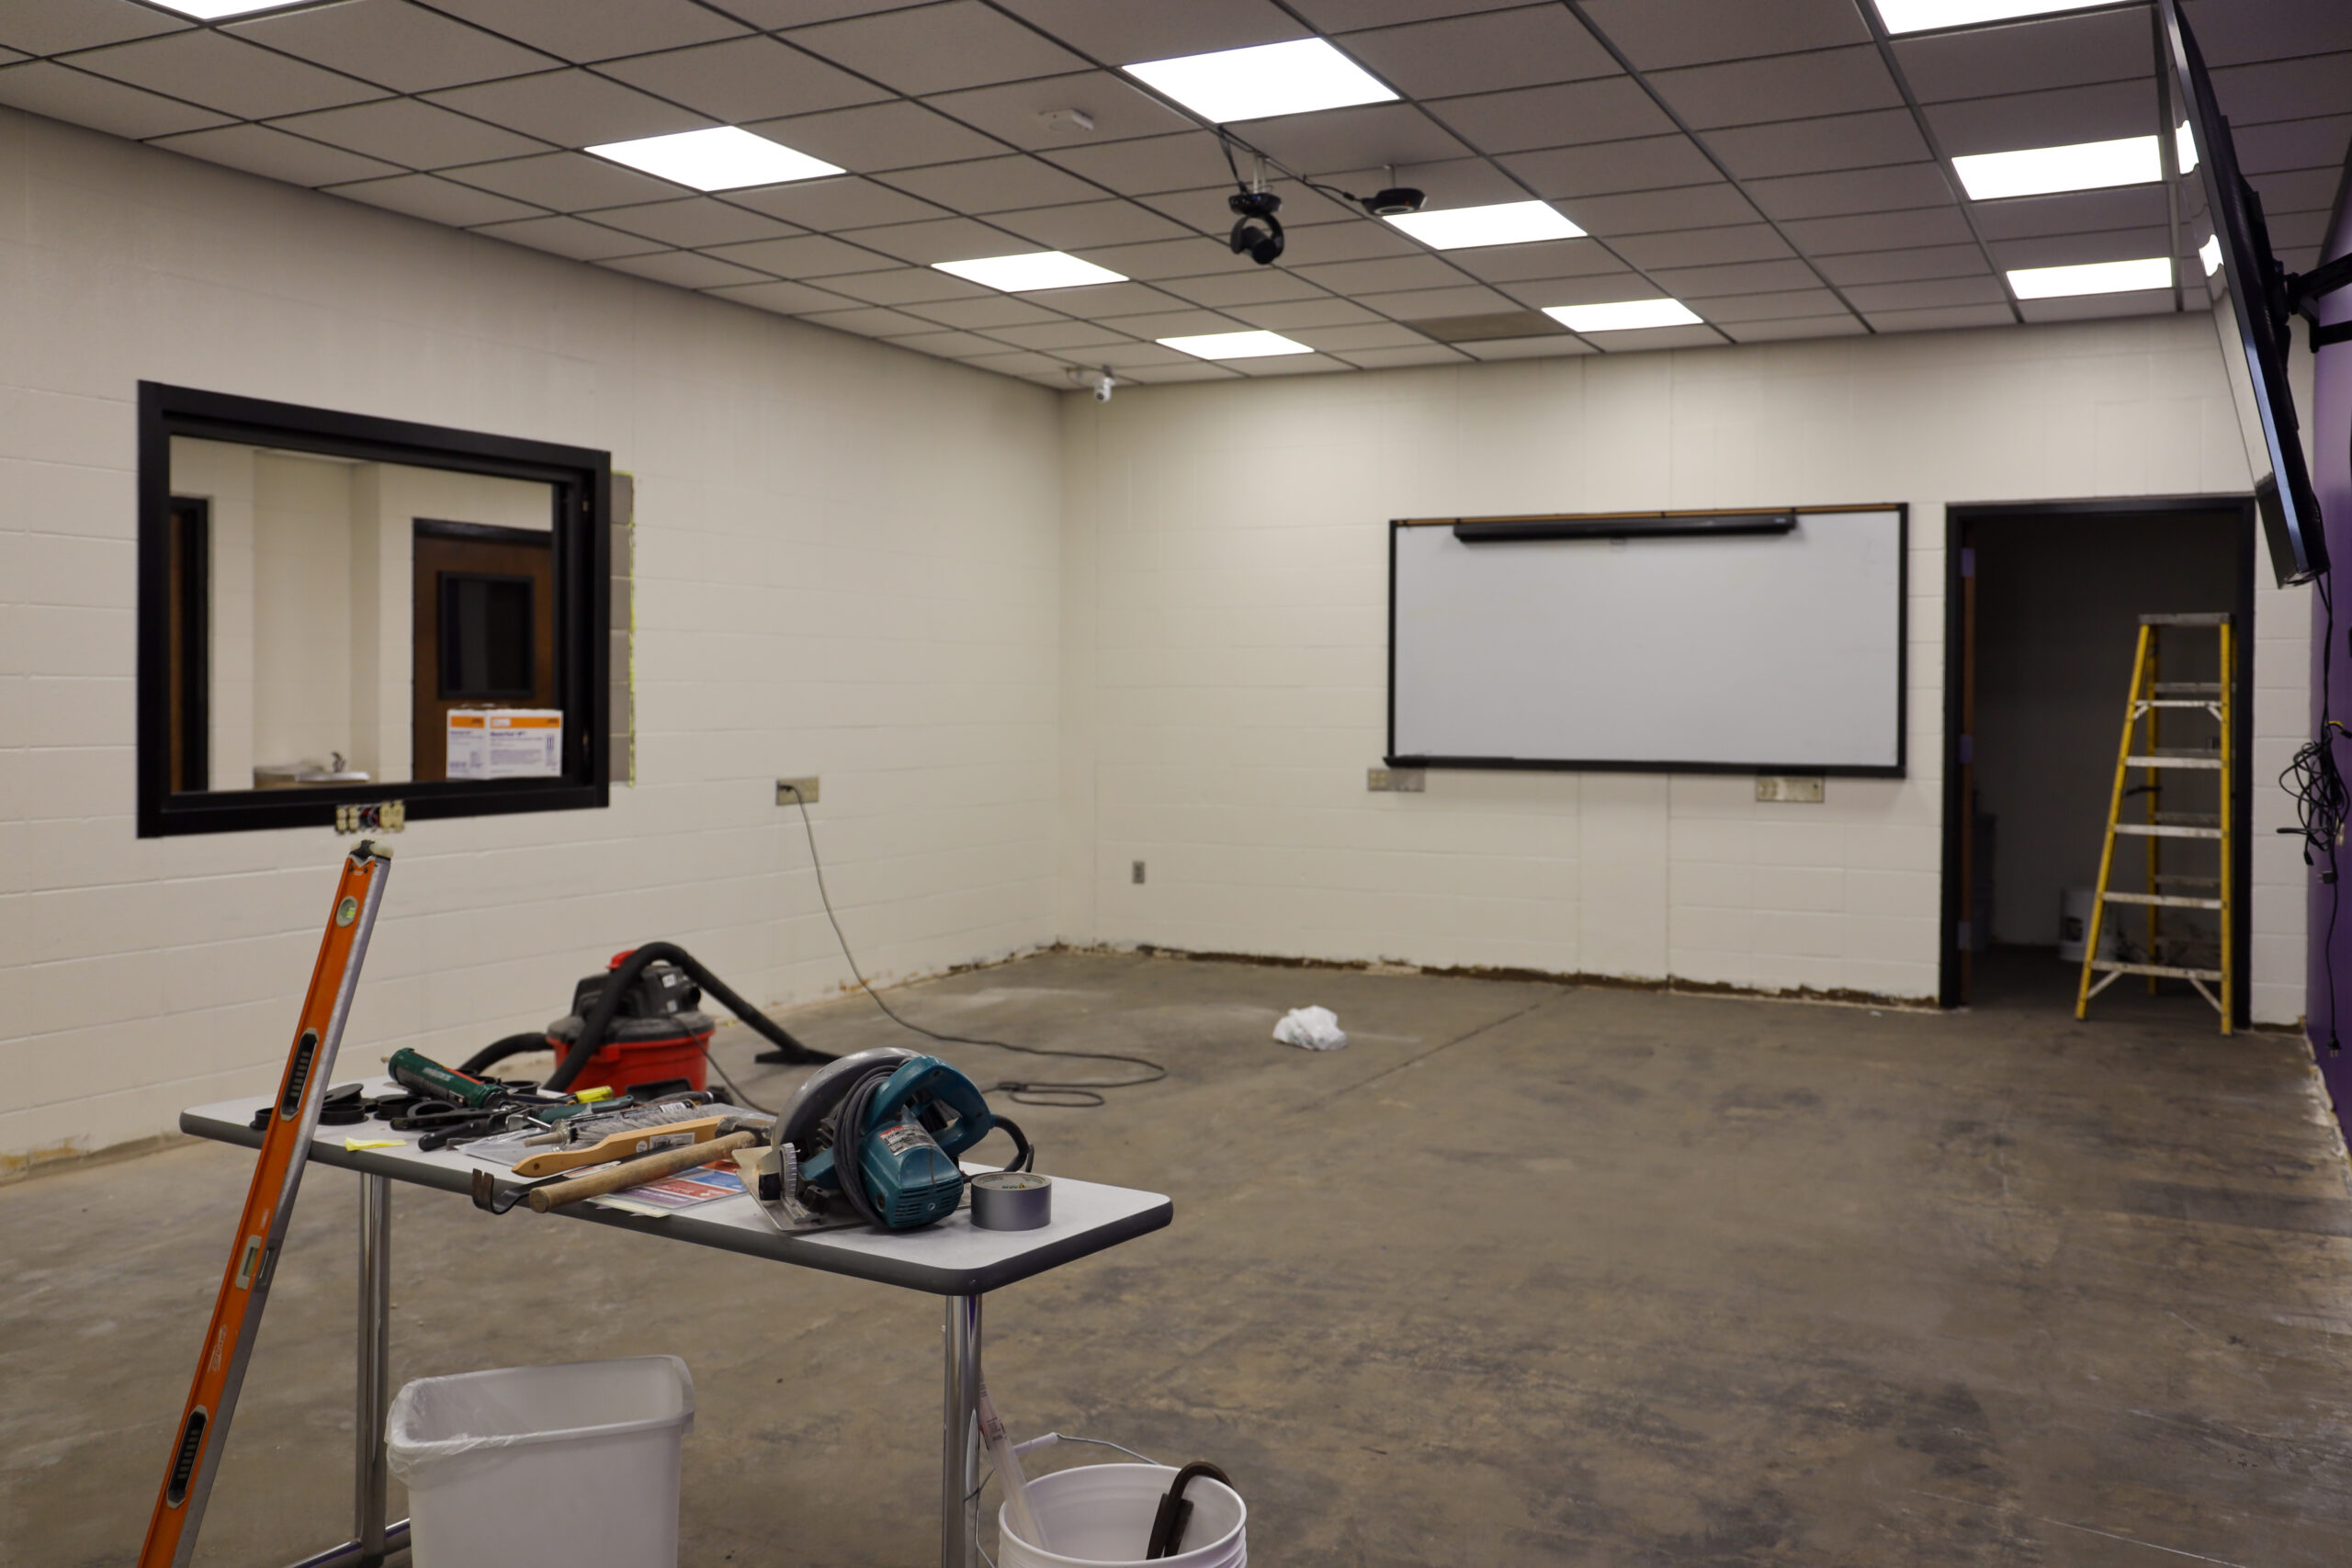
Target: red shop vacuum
{"points": [[640, 1022]]}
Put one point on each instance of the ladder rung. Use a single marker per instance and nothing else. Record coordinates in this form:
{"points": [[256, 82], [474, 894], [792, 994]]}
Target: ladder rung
{"points": [[2188, 688], [2191, 818], [2166, 879], [2108, 966], [2164, 830], [2188, 618], [2164, 900], [2169, 758], [2143, 705]]}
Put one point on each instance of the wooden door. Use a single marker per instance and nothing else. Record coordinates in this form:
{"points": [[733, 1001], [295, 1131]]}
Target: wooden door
{"points": [[484, 613]]}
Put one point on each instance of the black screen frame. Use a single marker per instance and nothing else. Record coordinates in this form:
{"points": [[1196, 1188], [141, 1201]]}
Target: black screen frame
{"points": [[582, 481]]}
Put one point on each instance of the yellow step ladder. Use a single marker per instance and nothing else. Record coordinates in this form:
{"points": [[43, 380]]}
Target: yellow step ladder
{"points": [[2151, 699]]}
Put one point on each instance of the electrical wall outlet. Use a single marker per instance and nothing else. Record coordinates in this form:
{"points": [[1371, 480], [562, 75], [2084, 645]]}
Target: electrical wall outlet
{"points": [[797, 792], [1138, 873], [1791, 789], [1396, 781]]}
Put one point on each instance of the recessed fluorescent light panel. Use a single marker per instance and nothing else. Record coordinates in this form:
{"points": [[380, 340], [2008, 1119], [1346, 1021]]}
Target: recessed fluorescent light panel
{"points": [[2210, 252], [1264, 80], [1235, 345], [2184, 148], [724, 158], [2094, 278], [1505, 223], [1030, 270], [1924, 16], [1625, 316], [2040, 171]]}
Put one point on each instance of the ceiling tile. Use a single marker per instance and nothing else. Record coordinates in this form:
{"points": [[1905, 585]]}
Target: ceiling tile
{"points": [[876, 137], [2295, 232], [1872, 298], [1039, 367], [1784, 86], [567, 182], [431, 197], [1657, 34], [1259, 284], [405, 131], [802, 12], [1652, 211], [696, 221], [1290, 364], [1287, 315], [805, 257], [908, 285], [47, 26], [1061, 334], [871, 321], [1089, 223], [1784, 305], [784, 299], [12, 56], [740, 80], [1888, 188], [685, 270], [1207, 209], [1776, 331], [2029, 56], [1736, 278], [1702, 247], [62, 93], [1599, 289], [1353, 239], [995, 185], [1943, 318], [1106, 300], [939, 239], [570, 109], [1832, 141], [582, 30], [2072, 213], [1657, 338], [1366, 136], [1607, 109], [1894, 266], [2098, 307], [1482, 53], [826, 206], [1552, 258], [938, 48], [225, 74], [2233, 31], [989, 309], [1403, 358], [2313, 144], [1183, 323], [2072, 249], [2298, 190], [1157, 260], [1645, 164], [1351, 341], [1149, 164], [258, 150], [1450, 182], [2289, 89], [1343, 16], [1121, 32], [1551, 345], [1422, 304], [1382, 277], [1879, 231], [2045, 119], [1014, 111], [402, 46], [574, 237]]}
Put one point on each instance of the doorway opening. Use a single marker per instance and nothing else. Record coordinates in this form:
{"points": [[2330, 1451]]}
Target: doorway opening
{"points": [[2044, 605]]}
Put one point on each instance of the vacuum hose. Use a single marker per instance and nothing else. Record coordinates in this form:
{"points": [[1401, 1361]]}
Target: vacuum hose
{"points": [[608, 1000]]}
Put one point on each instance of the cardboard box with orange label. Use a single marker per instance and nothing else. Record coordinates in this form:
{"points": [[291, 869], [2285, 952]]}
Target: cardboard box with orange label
{"points": [[505, 743]]}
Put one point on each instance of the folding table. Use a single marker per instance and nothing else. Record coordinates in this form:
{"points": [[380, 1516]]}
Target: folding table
{"points": [[953, 1258]]}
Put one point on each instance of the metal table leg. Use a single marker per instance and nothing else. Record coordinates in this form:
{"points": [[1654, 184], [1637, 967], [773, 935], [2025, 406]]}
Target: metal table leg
{"points": [[959, 1467]]}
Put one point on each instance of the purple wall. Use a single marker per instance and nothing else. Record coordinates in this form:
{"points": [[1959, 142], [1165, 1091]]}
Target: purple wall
{"points": [[2327, 444]]}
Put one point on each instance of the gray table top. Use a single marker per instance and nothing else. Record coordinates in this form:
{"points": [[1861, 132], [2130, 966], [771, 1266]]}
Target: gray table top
{"points": [[953, 1258]]}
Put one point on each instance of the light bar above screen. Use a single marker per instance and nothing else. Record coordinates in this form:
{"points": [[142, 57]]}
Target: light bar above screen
{"points": [[2217, 205]]}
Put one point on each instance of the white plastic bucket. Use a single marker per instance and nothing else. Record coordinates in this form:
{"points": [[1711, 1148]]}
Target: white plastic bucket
{"points": [[576, 1464], [2075, 906], [1099, 1515]]}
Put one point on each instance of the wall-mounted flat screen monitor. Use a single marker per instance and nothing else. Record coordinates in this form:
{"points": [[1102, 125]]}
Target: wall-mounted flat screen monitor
{"points": [[2221, 218]]}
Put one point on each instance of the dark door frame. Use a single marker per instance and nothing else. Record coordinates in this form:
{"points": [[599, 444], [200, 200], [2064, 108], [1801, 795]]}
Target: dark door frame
{"points": [[1957, 518]]}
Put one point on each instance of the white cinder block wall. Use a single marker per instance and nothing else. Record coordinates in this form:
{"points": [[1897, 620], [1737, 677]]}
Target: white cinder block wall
{"points": [[1225, 594], [847, 564]]}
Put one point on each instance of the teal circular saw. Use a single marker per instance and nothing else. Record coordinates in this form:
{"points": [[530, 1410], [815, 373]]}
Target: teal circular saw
{"points": [[886, 1126]]}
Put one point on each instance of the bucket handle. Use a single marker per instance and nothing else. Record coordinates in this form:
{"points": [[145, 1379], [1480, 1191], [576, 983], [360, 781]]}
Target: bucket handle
{"points": [[1176, 1511]]}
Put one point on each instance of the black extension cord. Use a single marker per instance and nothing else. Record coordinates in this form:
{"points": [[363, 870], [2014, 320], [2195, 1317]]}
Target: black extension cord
{"points": [[2322, 806]]}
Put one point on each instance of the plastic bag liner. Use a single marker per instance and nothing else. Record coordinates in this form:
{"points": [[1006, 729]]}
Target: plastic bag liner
{"points": [[441, 1430], [1311, 1028]]}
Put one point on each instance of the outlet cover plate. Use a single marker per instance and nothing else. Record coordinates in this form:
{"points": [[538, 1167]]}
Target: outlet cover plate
{"points": [[1790, 789], [1396, 781], [807, 788]]}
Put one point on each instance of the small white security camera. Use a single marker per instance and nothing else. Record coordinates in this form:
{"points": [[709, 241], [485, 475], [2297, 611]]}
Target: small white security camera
{"points": [[1100, 380], [1102, 388]]}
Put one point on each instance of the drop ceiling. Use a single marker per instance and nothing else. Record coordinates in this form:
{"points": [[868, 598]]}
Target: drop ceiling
{"points": [[1782, 166]]}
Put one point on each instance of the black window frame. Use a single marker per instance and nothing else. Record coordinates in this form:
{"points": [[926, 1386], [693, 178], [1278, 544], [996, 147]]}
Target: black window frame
{"points": [[583, 481]]}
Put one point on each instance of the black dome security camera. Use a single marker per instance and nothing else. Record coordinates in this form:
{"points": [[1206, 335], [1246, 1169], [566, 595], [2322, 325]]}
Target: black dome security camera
{"points": [[1393, 202], [1257, 232]]}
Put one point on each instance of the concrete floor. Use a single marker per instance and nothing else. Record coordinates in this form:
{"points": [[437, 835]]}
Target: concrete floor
{"points": [[1529, 1274]]}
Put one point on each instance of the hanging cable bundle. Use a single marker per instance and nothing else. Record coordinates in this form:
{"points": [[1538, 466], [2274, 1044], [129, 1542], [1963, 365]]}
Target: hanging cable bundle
{"points": [[2322, 803]]}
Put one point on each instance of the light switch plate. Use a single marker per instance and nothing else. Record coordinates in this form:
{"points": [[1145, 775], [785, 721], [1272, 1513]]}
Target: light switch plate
{"points": [[1792, 789]]}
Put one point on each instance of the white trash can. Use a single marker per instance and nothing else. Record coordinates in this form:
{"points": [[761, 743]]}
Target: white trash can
{"points": [[1099, 1515], [574, 1464], [2075, 906]]}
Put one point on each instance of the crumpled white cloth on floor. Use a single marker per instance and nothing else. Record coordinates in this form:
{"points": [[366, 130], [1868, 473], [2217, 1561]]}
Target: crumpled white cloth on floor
{"points": [[1311, 1028]]}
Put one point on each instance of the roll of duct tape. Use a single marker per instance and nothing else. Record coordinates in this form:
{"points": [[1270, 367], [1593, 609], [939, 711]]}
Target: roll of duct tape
{"points": [[1011, 1201]]}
